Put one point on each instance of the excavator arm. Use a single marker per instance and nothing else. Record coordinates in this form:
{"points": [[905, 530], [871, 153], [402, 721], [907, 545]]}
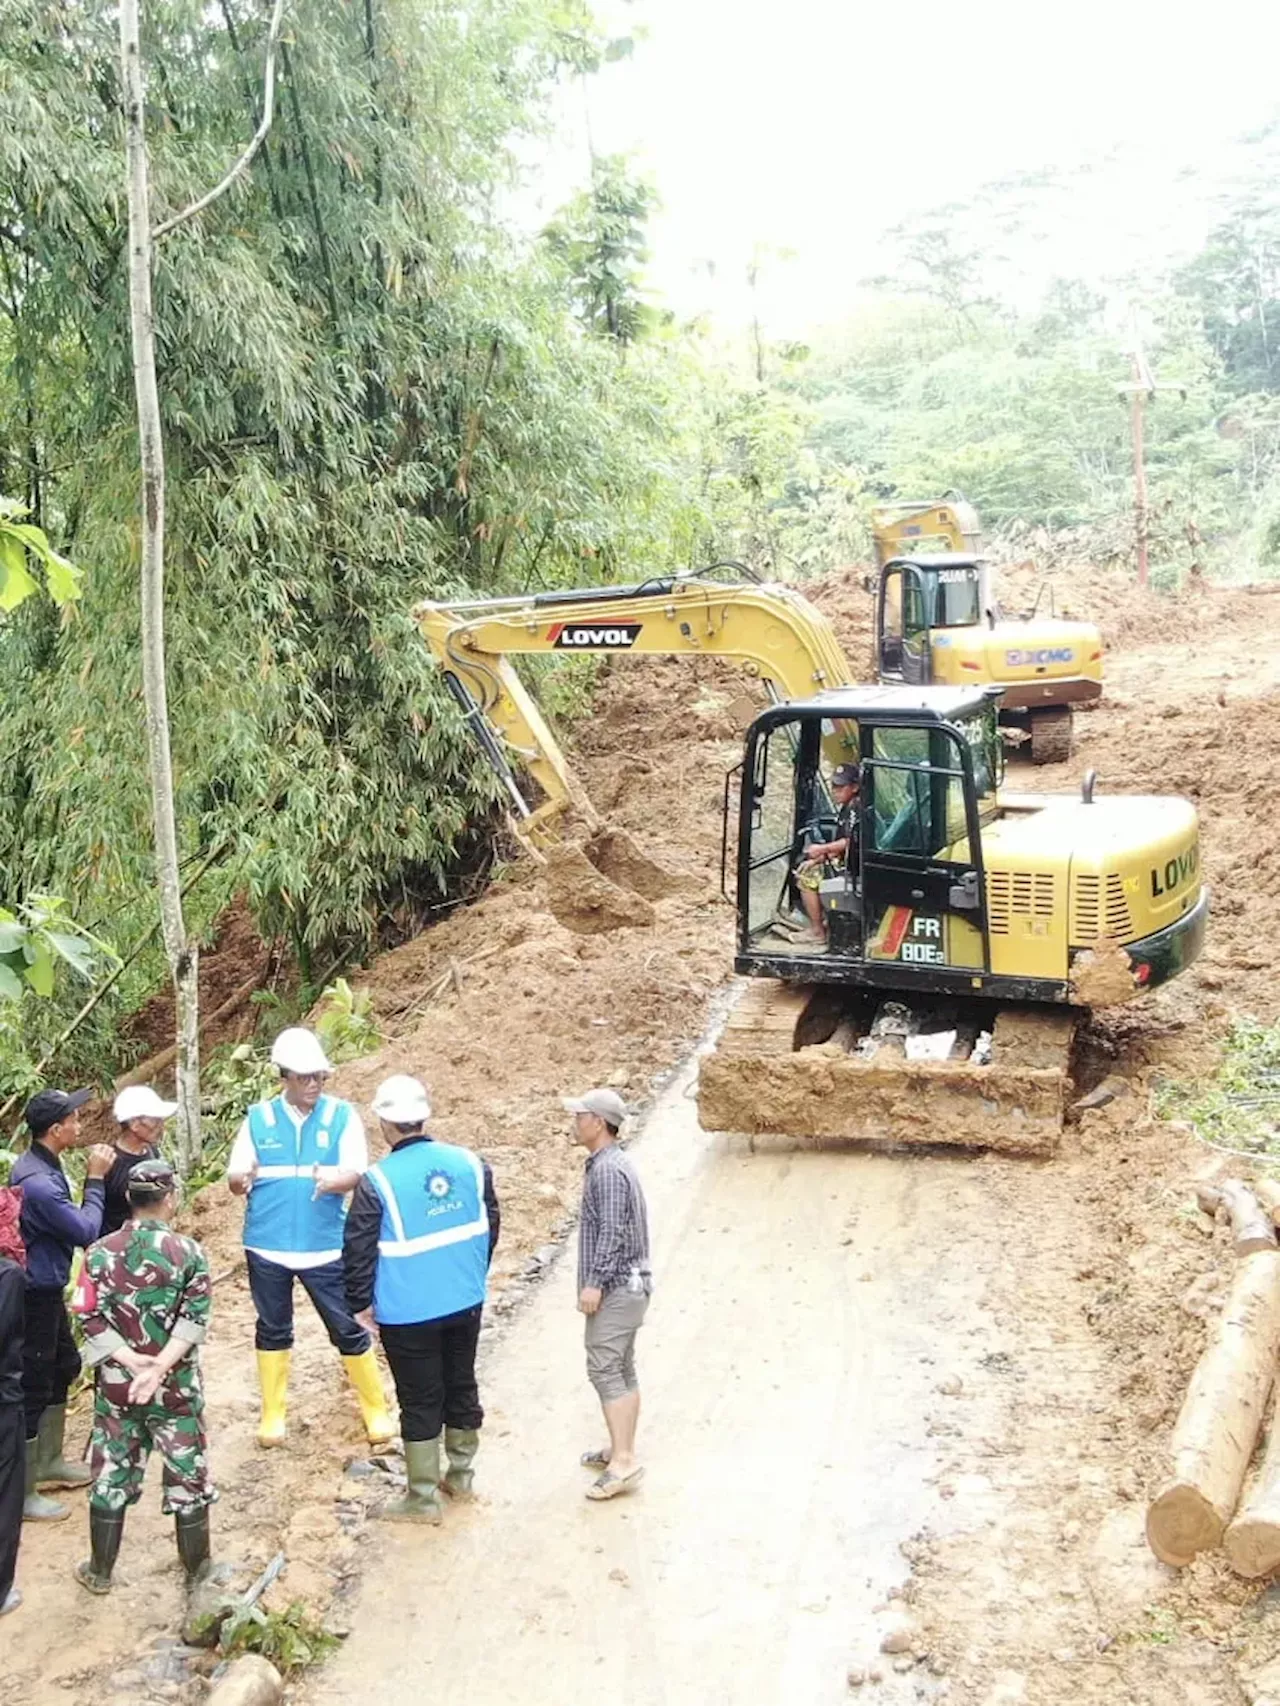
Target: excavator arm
{"points": [[769, 630]]}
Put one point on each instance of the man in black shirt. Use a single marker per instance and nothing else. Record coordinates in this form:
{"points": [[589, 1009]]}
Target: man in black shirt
{"points": [[828, 858], [140, 1114]]}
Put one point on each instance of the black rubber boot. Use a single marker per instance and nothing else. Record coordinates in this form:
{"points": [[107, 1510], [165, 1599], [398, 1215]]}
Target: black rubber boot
{"points": [[105, 1530], [192, 1530]]}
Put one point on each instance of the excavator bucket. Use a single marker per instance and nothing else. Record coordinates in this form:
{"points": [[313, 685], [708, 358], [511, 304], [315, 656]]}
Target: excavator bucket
{"points": [[796, 1060]]}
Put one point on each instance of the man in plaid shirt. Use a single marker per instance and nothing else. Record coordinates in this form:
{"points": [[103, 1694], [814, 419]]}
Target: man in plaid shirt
{"points": [[613, 1284]]}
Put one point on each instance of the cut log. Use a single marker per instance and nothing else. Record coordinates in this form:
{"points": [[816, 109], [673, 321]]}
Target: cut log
{"points": [[1252, 1542], [1252, 1228], [1267, 1192], [1217, 1427]]}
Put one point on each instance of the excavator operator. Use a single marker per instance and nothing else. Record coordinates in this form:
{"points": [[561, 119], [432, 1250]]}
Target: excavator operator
{"points": [[829, 858]]}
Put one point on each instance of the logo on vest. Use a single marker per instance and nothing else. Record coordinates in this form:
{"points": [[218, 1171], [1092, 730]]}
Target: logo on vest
{"points": [[439, 1185]]}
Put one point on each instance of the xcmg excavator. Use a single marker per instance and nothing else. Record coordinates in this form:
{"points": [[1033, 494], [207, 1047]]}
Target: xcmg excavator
{"points": [[965, 927], [937, 620]]}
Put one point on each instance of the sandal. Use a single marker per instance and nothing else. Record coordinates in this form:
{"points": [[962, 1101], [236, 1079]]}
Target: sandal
{"points": [[609, 1485], [595, 1459]]}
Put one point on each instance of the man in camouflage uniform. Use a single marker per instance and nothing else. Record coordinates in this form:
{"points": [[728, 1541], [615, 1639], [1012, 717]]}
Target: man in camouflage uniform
{"points": [[144, 1300]]}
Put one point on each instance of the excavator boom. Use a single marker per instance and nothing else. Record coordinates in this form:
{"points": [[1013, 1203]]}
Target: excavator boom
{"points": [[770, 631]]}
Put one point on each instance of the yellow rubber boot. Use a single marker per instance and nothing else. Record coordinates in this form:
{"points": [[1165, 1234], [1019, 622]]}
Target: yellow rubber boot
{"points": [[273, 1378], [364, 1375]]}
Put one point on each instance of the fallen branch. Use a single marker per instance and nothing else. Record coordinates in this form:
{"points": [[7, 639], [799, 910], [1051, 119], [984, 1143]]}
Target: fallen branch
{"points": [[1218, 1425], [265, 1580], [1252, 1229], [147, 1069]]}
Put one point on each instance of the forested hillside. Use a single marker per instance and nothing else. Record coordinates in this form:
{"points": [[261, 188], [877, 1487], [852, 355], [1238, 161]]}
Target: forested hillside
{"points": [[375, 389]]}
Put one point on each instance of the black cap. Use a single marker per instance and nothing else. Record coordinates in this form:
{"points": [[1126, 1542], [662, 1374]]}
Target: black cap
{"points": [[50, 1107], [846, 776], [150, 1180]]}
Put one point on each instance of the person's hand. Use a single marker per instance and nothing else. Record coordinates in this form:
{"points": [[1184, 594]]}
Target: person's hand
{"points": [[589, 1299], [242, 1183], [364, 1318], [101, 1159], [144, 1386], [133, 1362]]}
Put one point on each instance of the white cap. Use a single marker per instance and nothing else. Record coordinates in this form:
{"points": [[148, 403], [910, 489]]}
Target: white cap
{"points": [[299, 1050], [401, 1100], [608, 1104], [140, 1102]]}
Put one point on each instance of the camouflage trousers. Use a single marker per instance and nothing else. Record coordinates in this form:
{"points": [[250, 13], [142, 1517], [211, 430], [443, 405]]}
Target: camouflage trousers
{"points": [[124, 1436]]}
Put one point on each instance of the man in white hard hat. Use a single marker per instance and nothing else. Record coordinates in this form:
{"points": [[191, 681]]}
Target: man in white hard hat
{"points": [[613, 1284], [420, 1236], [296, 1157], [140, 1114]]}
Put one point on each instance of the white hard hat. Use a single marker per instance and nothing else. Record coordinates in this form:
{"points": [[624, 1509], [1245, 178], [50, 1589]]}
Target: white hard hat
{"points": [[299, 1050], [140, 1102], [401, 1100]]}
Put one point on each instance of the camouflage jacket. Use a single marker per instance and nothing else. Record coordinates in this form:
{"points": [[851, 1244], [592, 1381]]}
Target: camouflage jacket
{"points": [[138, 1288]]}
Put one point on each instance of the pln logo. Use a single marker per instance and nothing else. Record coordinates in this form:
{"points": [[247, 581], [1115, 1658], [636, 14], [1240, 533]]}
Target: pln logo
{"points": [[439, 1185]]}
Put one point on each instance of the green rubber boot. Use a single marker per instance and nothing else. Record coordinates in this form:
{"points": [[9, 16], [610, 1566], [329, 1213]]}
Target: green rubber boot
{"points": [[460, 1445], [105, 1530], [52, 1469], [192, 1530], [421, 1502], [35, 1507]]}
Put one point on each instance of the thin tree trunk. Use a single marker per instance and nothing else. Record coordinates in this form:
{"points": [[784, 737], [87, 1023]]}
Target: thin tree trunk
{"points": [[181, 953]]}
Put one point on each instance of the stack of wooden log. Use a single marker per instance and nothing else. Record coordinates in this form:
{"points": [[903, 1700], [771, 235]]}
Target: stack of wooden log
{"points": [[1199, 1506]]}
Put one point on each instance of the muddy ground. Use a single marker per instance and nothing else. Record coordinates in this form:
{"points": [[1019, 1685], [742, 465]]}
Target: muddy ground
{"points": [[1094, 1274]]}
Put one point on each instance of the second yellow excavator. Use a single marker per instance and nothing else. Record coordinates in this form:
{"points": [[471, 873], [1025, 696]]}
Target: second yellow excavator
{"points": [[937, 620], [964, 928]]}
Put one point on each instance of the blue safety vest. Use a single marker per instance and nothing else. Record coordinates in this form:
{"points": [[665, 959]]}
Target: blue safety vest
{"points": [[284, 1213], [433, 1247]]}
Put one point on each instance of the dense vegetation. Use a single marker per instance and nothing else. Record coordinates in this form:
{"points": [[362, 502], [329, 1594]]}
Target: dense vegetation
{"points": [[375, 391]]}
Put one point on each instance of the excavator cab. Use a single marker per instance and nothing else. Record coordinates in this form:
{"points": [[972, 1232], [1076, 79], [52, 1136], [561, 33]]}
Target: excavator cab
{"points": [[908, 905], [917, 597]]}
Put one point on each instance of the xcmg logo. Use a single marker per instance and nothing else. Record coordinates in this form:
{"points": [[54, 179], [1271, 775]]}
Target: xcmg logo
{"points": [[1046, 654], [594, 636]]}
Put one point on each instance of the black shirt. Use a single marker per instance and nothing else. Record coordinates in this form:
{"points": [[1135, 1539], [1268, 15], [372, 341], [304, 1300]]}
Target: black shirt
{"points": [[13, 1308], [118, 1210]]}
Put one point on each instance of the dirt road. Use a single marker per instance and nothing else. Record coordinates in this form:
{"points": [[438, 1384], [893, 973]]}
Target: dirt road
{"points": [[787, 1436]]}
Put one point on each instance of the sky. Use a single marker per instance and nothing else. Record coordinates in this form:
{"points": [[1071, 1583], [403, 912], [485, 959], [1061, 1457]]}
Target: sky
{"points": [[805, 129]]}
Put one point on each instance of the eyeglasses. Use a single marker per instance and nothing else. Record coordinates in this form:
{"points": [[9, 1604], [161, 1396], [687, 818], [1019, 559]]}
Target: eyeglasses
{"points": [[309, 1077]]}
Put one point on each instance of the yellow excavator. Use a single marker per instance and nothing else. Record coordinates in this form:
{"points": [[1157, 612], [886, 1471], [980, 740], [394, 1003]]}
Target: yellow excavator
{"points": [[965, 928], [937, 621]]}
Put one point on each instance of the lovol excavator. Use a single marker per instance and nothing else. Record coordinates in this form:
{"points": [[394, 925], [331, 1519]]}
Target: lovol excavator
{"points": [[965, 929], [937, 621]]}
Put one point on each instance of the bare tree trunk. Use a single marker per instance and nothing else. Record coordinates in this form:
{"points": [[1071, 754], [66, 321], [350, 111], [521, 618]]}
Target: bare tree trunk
{"points": [[181, 953]]}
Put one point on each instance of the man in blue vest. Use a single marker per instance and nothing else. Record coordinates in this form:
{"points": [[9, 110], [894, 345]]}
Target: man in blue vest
{"points": [[421, 1233], [296, 1157]]}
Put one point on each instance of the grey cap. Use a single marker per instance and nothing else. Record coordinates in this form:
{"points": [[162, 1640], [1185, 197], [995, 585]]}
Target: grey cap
{"points": [[607, 1103], [846, 776], [150, 1180]]}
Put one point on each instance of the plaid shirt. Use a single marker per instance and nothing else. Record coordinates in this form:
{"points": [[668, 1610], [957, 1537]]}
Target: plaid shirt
{"points": [[613, 1233]]}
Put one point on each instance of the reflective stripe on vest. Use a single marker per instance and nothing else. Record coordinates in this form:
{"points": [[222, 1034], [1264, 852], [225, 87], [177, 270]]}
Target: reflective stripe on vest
{"points": [[283, 1212], [425, 1273]]}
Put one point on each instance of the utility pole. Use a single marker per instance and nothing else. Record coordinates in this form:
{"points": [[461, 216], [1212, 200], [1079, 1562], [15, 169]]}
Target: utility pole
{"points": [[1141, 385]]}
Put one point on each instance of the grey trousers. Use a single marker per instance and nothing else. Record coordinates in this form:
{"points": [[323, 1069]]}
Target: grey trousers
{"points": [[610, 1338]]}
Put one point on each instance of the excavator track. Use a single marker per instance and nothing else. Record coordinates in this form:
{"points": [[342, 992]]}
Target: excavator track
{"points": [[794, 1059], [1051, 734]]}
